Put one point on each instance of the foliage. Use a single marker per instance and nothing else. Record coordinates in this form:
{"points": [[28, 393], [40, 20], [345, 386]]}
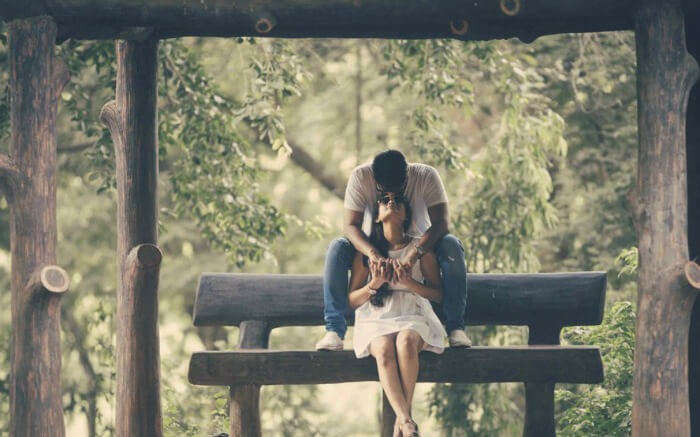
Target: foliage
{"points": [[535, 144], [604, 410]]}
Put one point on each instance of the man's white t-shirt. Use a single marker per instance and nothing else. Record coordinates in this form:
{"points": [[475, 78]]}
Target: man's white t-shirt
{"points": [[424, 189]]}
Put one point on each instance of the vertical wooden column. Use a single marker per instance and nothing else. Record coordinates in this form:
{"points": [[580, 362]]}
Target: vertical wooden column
{"points": [[665, 76], [28, 179], [244, 408], [693, 164], [539, 396], [132, 120], [388, 417]]}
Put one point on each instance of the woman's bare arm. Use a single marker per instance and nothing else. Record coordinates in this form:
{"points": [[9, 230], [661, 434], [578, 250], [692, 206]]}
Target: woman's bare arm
{"points": [[359, 292]]}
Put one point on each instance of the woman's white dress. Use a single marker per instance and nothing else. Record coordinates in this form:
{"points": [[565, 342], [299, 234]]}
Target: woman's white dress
{"points": [[401, 310]]}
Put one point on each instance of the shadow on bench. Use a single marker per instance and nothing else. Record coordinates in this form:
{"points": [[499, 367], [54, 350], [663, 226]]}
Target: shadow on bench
{"points": [[543, 302]]}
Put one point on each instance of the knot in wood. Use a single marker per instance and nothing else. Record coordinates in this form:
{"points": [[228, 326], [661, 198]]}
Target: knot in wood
{"points": [[461, 30], [510, 7], [264, 25]]}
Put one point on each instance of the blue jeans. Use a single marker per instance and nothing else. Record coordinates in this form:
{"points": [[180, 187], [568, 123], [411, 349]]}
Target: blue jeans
{"points": [[450, 256]]}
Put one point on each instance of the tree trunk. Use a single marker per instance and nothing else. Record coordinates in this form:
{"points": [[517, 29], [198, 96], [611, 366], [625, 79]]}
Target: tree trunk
{"points": [[666, 73], [693, 148], [37, 78], [132, 121], [78, 333]]}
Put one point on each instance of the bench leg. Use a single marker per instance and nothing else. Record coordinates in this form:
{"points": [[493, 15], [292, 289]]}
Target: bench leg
{"points": [[244, 413], [388, 417], [539, 410]]}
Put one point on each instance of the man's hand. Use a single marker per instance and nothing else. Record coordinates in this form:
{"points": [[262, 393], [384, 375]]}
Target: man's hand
{"points": [[375, 256], [402, 275], [409, 258]]}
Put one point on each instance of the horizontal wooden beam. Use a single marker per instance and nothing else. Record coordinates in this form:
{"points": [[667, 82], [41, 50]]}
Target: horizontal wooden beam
{"points": [[466, 20], [543, 299], [572, 364]]}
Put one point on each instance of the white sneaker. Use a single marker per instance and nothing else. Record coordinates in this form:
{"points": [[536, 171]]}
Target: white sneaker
{"points": [[458, 338], [330, 342]]}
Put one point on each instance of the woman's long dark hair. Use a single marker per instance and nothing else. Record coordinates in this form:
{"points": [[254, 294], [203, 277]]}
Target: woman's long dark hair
{"points": [[378, 240]]}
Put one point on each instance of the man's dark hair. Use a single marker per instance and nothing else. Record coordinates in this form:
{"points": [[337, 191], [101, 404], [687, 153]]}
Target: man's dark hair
{"points": [[390, 169]]}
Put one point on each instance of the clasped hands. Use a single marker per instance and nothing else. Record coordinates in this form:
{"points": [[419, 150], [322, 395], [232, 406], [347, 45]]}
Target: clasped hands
{"points": [[389, 270]]}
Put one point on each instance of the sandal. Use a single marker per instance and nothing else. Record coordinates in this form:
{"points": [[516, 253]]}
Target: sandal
{"points": [[414, 432]]}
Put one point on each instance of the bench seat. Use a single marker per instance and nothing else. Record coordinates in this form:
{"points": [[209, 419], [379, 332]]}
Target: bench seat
{"points": [[536, 363], [258, 303]]}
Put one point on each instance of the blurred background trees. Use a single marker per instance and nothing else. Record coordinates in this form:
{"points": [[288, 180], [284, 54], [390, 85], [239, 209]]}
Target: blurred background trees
{"points": [[535, 143]]}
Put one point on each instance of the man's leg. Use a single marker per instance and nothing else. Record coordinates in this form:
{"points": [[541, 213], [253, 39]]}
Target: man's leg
{"points": [[335, 284], [450, 256]]}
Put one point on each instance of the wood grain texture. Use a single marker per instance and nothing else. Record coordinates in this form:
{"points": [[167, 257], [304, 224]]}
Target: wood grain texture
{"points": [[539, 396], [692, 128], [666, 74], [244, 407], [388, 417], [556, 299], [36, 80], [132, 121], [526, 19], [575, 364]]}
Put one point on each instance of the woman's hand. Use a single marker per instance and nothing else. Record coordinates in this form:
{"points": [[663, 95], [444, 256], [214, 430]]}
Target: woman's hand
{"points": [[381, 272], [402, 274]]}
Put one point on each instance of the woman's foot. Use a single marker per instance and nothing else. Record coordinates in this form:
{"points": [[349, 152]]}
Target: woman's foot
{"points": [[409, 428]]}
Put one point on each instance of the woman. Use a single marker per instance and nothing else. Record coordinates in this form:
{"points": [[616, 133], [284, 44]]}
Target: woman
{"points": [[393, 316]]}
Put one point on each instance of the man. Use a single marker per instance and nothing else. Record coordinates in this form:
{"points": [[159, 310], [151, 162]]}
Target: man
{"points": [[421, 185]]}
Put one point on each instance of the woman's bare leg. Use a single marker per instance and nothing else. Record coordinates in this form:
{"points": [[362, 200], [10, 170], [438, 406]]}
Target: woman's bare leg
{"points": [[383, 349], [408, 344]]}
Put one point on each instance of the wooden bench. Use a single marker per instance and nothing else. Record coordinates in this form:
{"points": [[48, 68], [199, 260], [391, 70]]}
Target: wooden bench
{"points": [[257, 303]]}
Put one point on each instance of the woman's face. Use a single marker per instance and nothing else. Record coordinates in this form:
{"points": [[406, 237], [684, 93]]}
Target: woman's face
{"points": [[390, 209]]}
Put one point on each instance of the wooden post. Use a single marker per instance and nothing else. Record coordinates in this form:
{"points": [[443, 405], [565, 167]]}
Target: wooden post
{"points": [[693, 270], [388, 417], [539, 397], [244, 409], [665, 75], [132, 121], [28, 179]]}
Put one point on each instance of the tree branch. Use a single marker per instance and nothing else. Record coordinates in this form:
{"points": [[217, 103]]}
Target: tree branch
{"points": [[76, 147], [302, 158]]}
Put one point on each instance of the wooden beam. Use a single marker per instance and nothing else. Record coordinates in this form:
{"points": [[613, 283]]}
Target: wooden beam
{"points": [[36, 79], [466, 20], [666, 74], [132, 121], [574, 364], [556, 299]]}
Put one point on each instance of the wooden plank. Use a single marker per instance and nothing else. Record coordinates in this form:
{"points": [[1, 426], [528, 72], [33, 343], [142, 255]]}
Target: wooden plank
{"points": [[473, 20], [574, 364], [556, 299]]}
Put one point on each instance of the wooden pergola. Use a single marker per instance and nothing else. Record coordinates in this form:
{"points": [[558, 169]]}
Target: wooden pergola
{"points": [[667, 197]]}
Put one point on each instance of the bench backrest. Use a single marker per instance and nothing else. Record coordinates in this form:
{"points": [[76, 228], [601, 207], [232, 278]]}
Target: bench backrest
{"points": [[543, 300]]}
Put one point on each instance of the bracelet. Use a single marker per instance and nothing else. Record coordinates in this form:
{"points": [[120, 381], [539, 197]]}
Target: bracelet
{"points": [[372, 291]]}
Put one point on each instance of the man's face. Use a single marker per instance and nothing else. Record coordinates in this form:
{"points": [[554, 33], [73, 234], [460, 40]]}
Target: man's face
{"points": [[394, 190]]}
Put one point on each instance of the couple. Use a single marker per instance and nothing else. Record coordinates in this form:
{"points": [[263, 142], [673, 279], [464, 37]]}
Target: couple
{"points": [[395, 284]]}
